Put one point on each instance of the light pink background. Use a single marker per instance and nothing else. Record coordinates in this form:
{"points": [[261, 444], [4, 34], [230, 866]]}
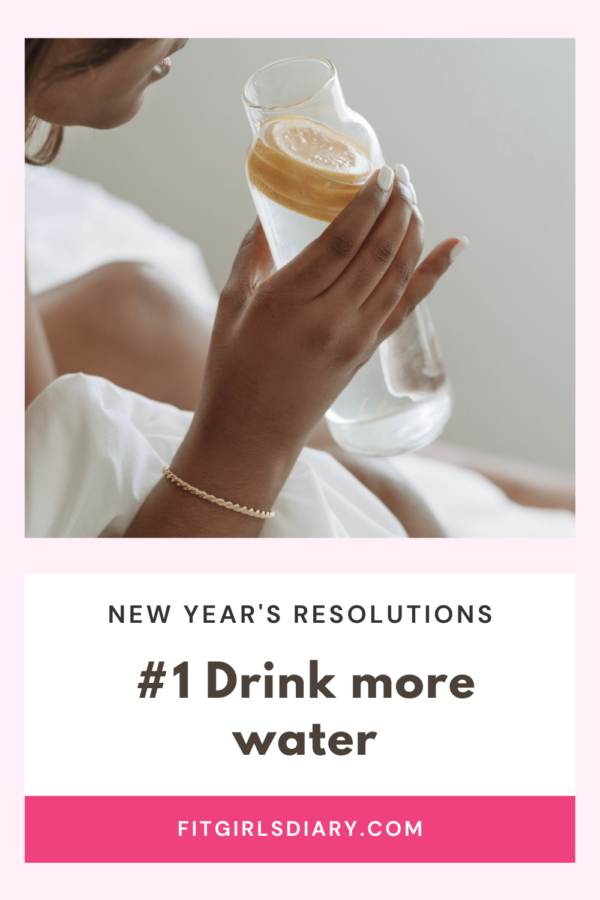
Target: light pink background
{"points": [[513, 18]]}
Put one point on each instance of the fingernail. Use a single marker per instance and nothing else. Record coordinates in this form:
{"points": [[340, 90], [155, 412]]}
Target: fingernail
{"points": [[459, 248], [413, 192], [385, 178], [402, 174]]}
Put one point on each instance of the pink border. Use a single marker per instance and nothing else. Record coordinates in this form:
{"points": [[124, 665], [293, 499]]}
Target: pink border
{"points": [[300, 555], [516, 18]]}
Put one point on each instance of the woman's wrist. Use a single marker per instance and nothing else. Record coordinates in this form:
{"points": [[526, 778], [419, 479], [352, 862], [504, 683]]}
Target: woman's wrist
{"points": [[237, 467], [240, 471], [247, 471]]}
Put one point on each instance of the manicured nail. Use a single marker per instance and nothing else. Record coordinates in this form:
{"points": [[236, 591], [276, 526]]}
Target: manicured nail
{"points": [[413, 192], [459, 248], [402, 174], [385, 178]]}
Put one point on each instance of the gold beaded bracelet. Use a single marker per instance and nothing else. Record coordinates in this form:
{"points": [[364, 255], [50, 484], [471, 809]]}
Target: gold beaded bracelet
{"points": [[235, 507]]}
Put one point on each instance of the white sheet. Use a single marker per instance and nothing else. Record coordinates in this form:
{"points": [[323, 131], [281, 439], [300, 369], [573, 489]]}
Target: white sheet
{"points": [[94, 451]]}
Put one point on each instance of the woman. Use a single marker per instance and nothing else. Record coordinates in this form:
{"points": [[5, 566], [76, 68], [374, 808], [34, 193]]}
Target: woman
{"points": [[283, 346]]}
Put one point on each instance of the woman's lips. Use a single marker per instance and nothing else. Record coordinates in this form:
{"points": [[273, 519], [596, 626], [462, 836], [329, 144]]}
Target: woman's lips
{"points": [[163, 67]]}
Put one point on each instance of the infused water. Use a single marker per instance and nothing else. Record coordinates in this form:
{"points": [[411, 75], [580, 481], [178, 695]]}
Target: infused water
{"points": [[302, 173]]}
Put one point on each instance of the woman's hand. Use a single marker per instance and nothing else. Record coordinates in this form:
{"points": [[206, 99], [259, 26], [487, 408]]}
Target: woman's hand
{"points": [[284, 345]]}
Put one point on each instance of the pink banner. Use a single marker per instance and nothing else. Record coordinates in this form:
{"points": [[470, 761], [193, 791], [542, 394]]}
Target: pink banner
{"points": [[300, 829]]}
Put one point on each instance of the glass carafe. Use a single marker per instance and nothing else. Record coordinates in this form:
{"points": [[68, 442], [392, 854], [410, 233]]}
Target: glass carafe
{"points": [[401, 399]]}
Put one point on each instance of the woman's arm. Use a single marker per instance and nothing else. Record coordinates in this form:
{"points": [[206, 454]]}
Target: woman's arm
{"points": [[523, 483], [283, 347], [225, 467]]}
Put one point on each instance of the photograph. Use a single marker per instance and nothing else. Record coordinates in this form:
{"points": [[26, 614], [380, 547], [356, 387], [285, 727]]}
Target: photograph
{"points": [[300, 288]]}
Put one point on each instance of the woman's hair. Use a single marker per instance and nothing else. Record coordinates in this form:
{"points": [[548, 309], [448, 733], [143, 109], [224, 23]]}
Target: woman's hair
{"points": [[96, 54]]}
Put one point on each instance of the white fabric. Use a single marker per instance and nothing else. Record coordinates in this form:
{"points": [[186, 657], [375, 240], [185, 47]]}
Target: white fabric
{"points": [[94, 451], [74, 226]]}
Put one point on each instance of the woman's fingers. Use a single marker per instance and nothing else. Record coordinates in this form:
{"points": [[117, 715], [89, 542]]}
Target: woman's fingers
{"points": [[422, 281], [320, 264], [389, 292], [378, 251], [252, 264]]}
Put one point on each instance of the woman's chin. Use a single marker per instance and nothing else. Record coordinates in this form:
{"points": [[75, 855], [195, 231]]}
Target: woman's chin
{"points": [[114, 118]]}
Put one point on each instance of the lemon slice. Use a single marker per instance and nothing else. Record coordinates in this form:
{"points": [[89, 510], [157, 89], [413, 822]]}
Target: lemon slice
{"points": [[314, 145], [307, 167]]}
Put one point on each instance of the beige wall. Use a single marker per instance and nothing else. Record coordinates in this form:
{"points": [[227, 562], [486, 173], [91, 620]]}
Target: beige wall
{"points": [[487, 131]]}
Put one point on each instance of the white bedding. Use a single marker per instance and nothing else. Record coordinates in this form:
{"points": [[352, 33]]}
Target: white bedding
{"points": [[94, 450]]}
